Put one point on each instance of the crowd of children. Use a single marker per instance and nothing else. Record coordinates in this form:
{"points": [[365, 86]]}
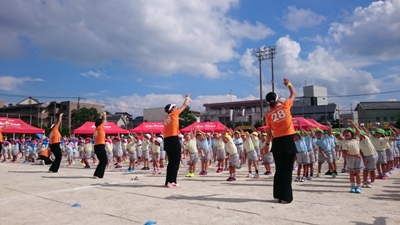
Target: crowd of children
{"points": [[364, 151]]}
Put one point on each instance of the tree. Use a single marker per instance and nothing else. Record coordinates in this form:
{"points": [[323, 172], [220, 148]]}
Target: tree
{"points": [[258, 124], [186, 118], [79, 117]]}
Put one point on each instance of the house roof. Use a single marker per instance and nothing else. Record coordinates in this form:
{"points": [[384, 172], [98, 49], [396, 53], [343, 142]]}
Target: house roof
{"points": [[379, 105], [29, 101]]}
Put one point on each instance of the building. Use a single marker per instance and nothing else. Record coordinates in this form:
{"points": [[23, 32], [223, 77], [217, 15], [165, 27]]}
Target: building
{"points": [[40, 114], [378, 112], [234, 112], [122, 119]]}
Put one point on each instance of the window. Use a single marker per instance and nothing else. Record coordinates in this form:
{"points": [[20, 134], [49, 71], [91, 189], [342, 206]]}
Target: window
{"points": [[385, 119], [378, 119], [64, 107], [392, 119]]}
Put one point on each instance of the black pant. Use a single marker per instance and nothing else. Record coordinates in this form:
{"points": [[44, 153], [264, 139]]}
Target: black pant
{"points": [[47, 160], [173, 148], [100, 151], [56, 150], [283, 176]]}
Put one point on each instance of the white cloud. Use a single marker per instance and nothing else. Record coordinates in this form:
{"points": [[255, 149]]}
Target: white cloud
{"points": [[134, 104], [95, 74], [296, 19], [13, 84], [156, 37], [370, 31], [248, 65]]}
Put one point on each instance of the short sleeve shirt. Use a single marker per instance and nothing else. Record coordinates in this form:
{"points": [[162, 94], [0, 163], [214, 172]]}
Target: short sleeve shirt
{"points": [[171, 123], [279, 119], [99, 135], [55, 136]]}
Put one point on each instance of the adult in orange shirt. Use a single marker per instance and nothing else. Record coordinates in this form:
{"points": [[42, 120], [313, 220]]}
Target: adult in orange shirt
{"points": [[280, 125], [172, 146], [55, 148], [100, 147]]}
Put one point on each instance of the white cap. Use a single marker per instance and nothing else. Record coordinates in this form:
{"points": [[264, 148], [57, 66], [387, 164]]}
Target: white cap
{"points": [[148, 136], [159, 140]]}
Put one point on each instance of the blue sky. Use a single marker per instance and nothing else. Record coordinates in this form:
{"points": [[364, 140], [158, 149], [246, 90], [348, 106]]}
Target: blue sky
{"points": [[131, 55]]}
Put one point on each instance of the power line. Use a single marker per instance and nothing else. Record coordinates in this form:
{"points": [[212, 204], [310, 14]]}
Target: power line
{"points": [[353, 95], [24, 96]]}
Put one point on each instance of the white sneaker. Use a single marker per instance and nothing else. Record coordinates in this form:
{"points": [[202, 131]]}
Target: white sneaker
{"points": [[250, 175]]}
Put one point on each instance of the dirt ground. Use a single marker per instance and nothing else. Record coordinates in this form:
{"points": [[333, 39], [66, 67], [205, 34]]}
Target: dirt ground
{"points": [[30, 195]]}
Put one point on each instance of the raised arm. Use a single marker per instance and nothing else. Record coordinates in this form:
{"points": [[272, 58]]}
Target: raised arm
{"points": [[104, 117], [59, 120], [355, 127], [186, 102], [292, 91], [329, 128]]}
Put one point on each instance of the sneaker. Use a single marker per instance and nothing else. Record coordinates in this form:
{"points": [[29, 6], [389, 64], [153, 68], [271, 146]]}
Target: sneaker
{"points": [[256, 175], [174, 184], [226, 169], [201, 173], [379, 176], [309, 178], [219, 170], [297, 179], [188, 175], [353, 190], [319, 174], [391, 171], [132, 170], [398, 166], [169, 185], [144, 168], [370, 185], [128, 170], [87, 167], [191, 174], [205, 173], [303, 179], [358, 190], [386, 174], [250, 175], [266, 173], [118, 167], [154, 172], [333, 175], [230, 179], [384, 177], [364, 184], [328, 172]]}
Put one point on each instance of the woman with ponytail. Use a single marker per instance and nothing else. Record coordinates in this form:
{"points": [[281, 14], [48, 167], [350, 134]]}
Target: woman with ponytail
{"points": [[280, 125]]}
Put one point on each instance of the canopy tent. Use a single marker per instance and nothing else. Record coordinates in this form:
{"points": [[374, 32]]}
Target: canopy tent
{"points": [[318, 125], [17, 126], [304, 123], [147, 127], [204, 127], [109, 128]]}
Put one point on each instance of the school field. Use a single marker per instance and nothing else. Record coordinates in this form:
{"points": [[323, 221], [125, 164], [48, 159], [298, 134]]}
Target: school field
{"points": [[30, 195]]}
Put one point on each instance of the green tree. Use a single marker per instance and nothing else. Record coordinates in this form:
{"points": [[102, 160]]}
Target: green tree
{"points": [[258, 124], [79, 117], [186, 118]]}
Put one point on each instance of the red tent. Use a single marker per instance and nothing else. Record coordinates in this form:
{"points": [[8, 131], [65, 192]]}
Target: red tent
{"points": [[109, 128], [147, 127], [323, 127], [304, 123], [17, 126], [204, 127]]}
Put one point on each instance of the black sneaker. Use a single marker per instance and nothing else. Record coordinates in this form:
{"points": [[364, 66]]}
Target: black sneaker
{"points": [[335, 173], [144, 168], [328, 173]]}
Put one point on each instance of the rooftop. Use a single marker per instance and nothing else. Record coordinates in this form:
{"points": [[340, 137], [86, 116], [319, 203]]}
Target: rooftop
{"points": [[379, 105]]}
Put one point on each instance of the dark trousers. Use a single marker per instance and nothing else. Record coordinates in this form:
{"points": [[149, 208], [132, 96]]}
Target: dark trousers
{"points": [[47, 160], [283, 176], [173, 148], [100, 151], [56, 150]]}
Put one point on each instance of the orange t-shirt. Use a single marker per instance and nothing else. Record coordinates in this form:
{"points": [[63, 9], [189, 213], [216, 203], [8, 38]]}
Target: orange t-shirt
{"points": [[45, 153], [55, 136], [171, 123], [99, 135], [1, 136], [279, 119]]}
